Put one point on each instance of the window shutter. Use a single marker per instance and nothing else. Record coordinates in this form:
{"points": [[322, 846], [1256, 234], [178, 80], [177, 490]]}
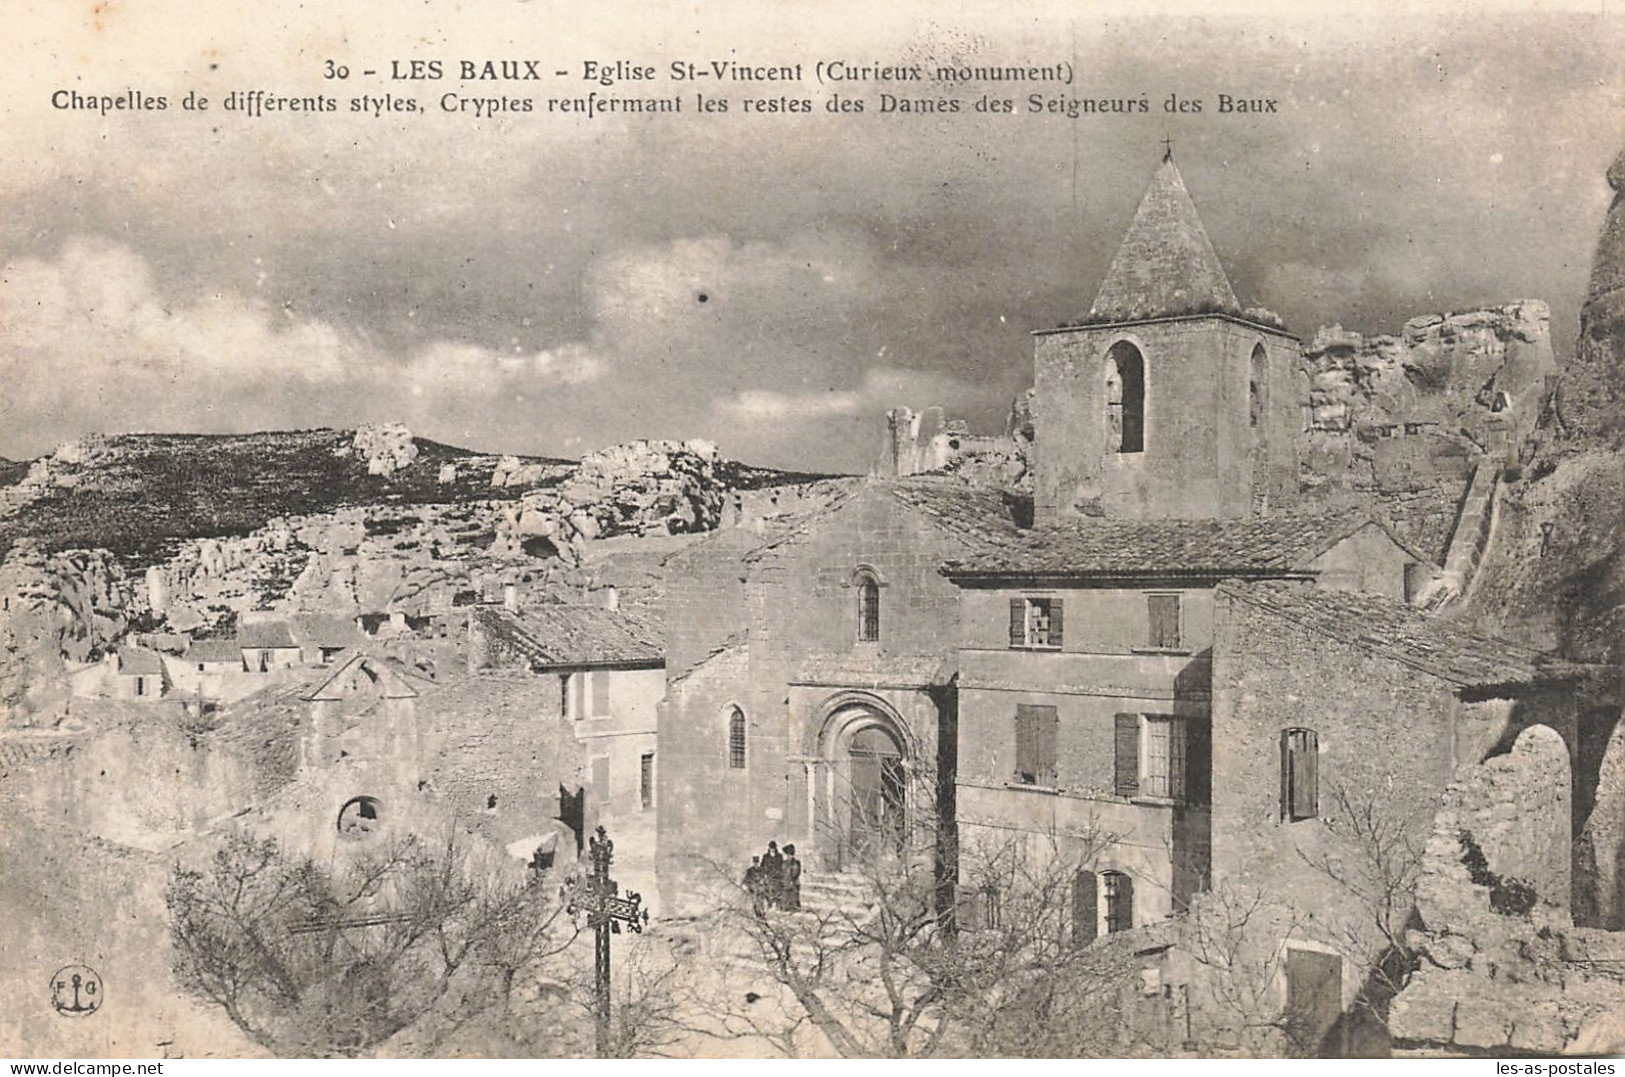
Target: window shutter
{"points": [[1124, 913], [1085, 908], [1049, 723], [1018, 622], [1026, 745], [1305, 799], [1198, 761], [1055, 622], [1286, 774], [600, 693], [1127, 744]]}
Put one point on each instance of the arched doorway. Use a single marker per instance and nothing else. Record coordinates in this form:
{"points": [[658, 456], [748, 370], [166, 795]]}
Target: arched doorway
{"points": [[879, 801], [859, 771]]}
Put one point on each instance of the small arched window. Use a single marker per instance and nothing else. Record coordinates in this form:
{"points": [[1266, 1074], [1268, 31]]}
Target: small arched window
{"points": [[736, 739], [868, 608], [359, 817], [1125, 399], [1258, 387]]}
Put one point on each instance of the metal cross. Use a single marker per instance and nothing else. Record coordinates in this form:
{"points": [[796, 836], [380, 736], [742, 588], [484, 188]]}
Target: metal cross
{"points": [[598, 896], [1167, 148]]}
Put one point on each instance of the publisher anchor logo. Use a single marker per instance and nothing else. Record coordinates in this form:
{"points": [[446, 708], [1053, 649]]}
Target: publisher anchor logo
{"points": [[76, 991]]}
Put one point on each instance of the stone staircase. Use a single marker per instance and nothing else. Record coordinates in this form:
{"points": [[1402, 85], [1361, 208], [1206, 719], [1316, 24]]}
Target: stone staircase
{"points": [[827, 892], [1468, 542]]}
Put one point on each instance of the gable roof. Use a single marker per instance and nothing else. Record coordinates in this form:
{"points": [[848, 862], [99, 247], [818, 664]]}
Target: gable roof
{"points": [[214, 650], [1443, 648], [324, 630], [1102, 548], [973, 518], [264, 635], [1166, 265], [139, 662], [394, 683], [574, 636]]}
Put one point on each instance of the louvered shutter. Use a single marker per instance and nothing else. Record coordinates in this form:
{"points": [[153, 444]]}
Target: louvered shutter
{"points": [[1127, 755], [1018, 622], [1055, 622], [1286, 774], [1085, 910], [1198, 761], [1026, 745], [1123, 914], [1048, 722], [1305, 776]]}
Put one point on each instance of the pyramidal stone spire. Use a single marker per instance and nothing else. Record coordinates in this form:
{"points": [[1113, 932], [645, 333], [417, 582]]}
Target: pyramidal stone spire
{"points": [[1166, 264]]}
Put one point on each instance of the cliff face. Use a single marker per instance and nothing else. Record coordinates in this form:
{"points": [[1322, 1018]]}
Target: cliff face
{"points": [[1591, 392]]}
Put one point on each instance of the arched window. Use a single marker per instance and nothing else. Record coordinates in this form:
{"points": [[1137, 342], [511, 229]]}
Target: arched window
{"points": [[1258, 388], [736, 739], [1125, 399], [359, 817], [868, 608], [1300, 774]]}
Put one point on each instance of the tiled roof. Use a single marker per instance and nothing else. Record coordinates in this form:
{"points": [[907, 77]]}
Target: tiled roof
{"points": [[978, 517], [1100, 547], [135, 661], [264, 635], [1443, 648], [556, 636], [325, 630], [214, 650], [1166, 264]]}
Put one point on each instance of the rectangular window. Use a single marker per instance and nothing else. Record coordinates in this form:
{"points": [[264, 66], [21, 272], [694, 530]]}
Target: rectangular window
{"points": [[1300, 774], [1163, 757], [646, 779], [1117, 901], [564, 695], [1163, 613], [1035, 622], [140, 686], [1036, 729]]}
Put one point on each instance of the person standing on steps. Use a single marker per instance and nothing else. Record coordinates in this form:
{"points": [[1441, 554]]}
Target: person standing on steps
{"points": [[791, 894], [773, 874]]}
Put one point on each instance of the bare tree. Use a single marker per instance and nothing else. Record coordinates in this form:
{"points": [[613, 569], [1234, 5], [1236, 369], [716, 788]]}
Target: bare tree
{"points": [[898, 972], [311, 963]]}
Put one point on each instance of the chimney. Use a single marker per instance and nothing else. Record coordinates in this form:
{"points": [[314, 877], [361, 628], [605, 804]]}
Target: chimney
{"points": [[510, 597], [612, 599]]}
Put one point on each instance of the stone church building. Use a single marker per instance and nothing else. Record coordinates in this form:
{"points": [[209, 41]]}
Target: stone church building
{"points": [[1155, 674]]}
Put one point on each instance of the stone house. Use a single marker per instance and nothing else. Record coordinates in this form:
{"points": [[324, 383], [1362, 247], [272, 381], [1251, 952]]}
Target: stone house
{"points": [[602, 674], [1335, 716], [267, 646], [1084, 678], [138, 674], [811, 682]]}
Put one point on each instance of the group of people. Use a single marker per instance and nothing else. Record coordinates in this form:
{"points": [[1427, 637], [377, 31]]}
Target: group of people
{"points": [[773, 879]]}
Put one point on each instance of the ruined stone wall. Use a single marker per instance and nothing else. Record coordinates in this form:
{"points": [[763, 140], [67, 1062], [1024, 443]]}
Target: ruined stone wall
{"points": [[1502, 969]]}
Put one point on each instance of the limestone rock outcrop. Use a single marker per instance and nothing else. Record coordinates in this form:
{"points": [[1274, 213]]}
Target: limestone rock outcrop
{"points": [[387, 447], [1591, 391]]}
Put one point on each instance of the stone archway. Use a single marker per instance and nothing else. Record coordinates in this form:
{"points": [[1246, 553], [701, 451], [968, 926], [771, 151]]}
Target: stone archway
{"points": [[859, 766]]}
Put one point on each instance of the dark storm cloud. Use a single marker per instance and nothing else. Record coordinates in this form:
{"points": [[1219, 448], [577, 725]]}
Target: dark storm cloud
{"points": [[774, 283]]}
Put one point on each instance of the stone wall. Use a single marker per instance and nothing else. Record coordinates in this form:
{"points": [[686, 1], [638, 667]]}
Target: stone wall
{"points": [[1502, 971], [1200, 458]]}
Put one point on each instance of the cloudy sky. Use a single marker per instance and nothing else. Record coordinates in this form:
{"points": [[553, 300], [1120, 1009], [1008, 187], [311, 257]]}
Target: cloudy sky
{"points": [[550, 284]]}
